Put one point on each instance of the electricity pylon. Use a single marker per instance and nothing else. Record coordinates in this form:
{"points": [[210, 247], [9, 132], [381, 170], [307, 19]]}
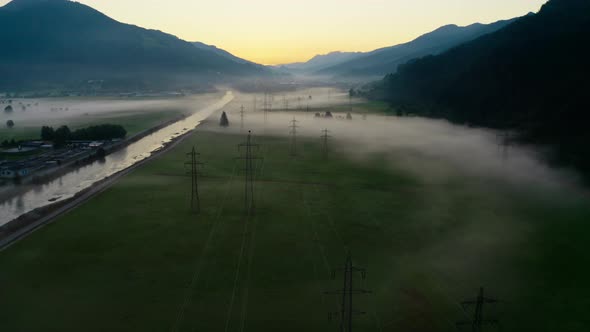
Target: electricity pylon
{"points": [[193, 164], [325, 137], [242, 118], [293, 131], [267, 106], [248, 158], [504, 139], [347, 311], [478, 321], [285, 103]]}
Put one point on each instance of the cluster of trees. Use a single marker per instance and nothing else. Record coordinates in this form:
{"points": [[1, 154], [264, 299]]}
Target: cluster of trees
{"points": [[531, 76], [9, 144], [94, 133]]}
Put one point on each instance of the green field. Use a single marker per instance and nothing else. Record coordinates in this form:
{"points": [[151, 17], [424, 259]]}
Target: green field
{"points": [[135, 259], [133, 122], [358, 106]]}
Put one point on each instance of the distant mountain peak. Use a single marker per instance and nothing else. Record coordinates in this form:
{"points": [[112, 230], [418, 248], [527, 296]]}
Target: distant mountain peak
{"points": [[386, 60], [82, 44], [446, 27], [19, 4], [333, 54]]}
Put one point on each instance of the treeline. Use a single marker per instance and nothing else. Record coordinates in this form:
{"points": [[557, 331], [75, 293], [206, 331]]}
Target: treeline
{"points": [[531, 76], [93, 133]]}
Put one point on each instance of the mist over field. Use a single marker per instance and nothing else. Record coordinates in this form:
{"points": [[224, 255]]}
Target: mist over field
{"points": [[57, 109], [434, 149]]}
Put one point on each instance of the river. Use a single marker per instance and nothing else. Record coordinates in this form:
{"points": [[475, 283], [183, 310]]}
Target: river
{"points": [[67, 185]]}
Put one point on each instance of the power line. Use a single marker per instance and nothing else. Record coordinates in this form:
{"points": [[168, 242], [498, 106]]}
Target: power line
{"points": [[478, 321], [347, 311], [193, 164], [248, 158], [199, 265]]}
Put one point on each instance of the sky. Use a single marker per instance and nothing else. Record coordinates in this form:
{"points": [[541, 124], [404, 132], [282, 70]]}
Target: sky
{"points": [[285, 31]]}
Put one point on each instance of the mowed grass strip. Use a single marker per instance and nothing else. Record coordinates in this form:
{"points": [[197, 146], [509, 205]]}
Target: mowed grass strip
{"points": [[136, 259]]}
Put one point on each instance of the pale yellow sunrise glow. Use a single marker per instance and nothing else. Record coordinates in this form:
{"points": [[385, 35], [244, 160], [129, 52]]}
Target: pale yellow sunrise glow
{"points": [[282, 31]]}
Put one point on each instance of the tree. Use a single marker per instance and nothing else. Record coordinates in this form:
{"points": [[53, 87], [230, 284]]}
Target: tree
{"points": [[47, 133], [8, 109], [10, 124], [224, 121], [62, 134], [101, 153], [100, 132]]}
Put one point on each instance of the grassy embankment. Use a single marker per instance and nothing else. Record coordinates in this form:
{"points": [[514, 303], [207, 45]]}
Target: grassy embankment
{"points": [[134, 257]]}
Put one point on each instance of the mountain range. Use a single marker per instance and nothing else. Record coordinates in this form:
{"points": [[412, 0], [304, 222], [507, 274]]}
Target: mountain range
{"points": [[385, 60], [320, 62], [49, 43], [531, 76]]}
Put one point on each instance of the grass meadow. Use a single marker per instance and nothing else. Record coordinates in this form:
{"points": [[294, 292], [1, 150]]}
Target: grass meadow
{"points": [[136, 259]]}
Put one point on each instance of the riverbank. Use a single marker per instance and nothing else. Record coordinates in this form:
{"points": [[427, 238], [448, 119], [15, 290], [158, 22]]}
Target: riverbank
{"points": [[13, 188], [33, 220]]}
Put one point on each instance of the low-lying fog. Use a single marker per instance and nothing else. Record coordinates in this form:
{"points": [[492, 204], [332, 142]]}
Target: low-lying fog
{"points": [[53, 110], [433, 148]]}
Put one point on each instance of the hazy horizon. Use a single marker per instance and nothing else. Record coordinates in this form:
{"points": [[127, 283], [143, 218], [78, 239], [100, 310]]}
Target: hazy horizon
{"points": [[279, 32]]}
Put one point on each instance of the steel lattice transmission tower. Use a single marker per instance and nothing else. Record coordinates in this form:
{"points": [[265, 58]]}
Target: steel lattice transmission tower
{"points": [[193, 164], [347, 311], [478, 321], [242, 112], [246, 149], [325, 138], [267, 106], [293, 131], [286, 102]]}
